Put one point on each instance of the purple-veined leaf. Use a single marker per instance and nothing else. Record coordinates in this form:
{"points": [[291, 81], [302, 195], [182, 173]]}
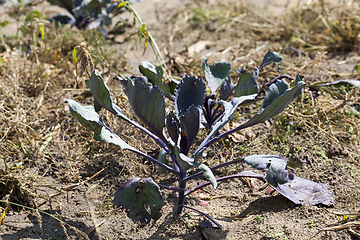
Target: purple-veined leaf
{"points": [[246, 84], [141, 198], [304, 191], [191, 123], [226, 89], [228, 114], [275, 90], [101, 94], [276, 101], [271, 57], [148, 70], [172, 125], [147, 103], [189, 92], [296, 189], [86, 116], [216, 74]]}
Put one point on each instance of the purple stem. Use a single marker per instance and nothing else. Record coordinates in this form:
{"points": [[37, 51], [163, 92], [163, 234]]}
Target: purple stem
{"points": [[166, 167], [206, 143], [222, 179], [197, 210], [182, 185], [171, 188], [198, 174]]}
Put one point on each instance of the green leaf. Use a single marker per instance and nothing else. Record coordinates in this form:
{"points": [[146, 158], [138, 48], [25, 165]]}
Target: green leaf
{"points": [[246, 84], [76, 59], [216, 74], [149, 71], [86, 116], [141, 198], [275, 101], [275, 90], [271, 57], [141, 31], [162, 158], [185, 162], [108, 136], [208, 174], [160, 83], [32, 15], [4, 23], [102, 96], [92, 121], [122, 4]]}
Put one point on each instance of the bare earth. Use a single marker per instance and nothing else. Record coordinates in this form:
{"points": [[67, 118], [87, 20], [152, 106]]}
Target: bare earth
{"points": [[244, 213]]}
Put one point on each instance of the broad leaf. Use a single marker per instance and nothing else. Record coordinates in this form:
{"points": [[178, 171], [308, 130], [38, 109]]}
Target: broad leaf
{"points": [[149, 71], [271, 57], [102, 96], [247, 84], [141, 198], [160, 83], [276, 101], [303, 191], [191, 123], [277, 166], [106, 135], [208, 174], [216, 74], [298, 190], [275, 90], [86, 116], [190, 92], [92, 121], [226, 89], [147, 103]]}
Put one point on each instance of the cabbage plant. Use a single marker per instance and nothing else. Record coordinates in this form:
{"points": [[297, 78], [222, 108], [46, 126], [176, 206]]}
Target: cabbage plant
{"points": [[197, 104]]}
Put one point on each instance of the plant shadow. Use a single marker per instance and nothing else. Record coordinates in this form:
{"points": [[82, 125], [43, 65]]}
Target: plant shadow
{"points": [[31, 226]]}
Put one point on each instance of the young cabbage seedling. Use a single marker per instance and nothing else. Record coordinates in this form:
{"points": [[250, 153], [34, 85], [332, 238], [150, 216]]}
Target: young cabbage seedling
{"points": [[193, 109]]}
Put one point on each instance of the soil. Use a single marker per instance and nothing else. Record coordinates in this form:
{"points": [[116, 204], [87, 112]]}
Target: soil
{"points": [[60, 183]]}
